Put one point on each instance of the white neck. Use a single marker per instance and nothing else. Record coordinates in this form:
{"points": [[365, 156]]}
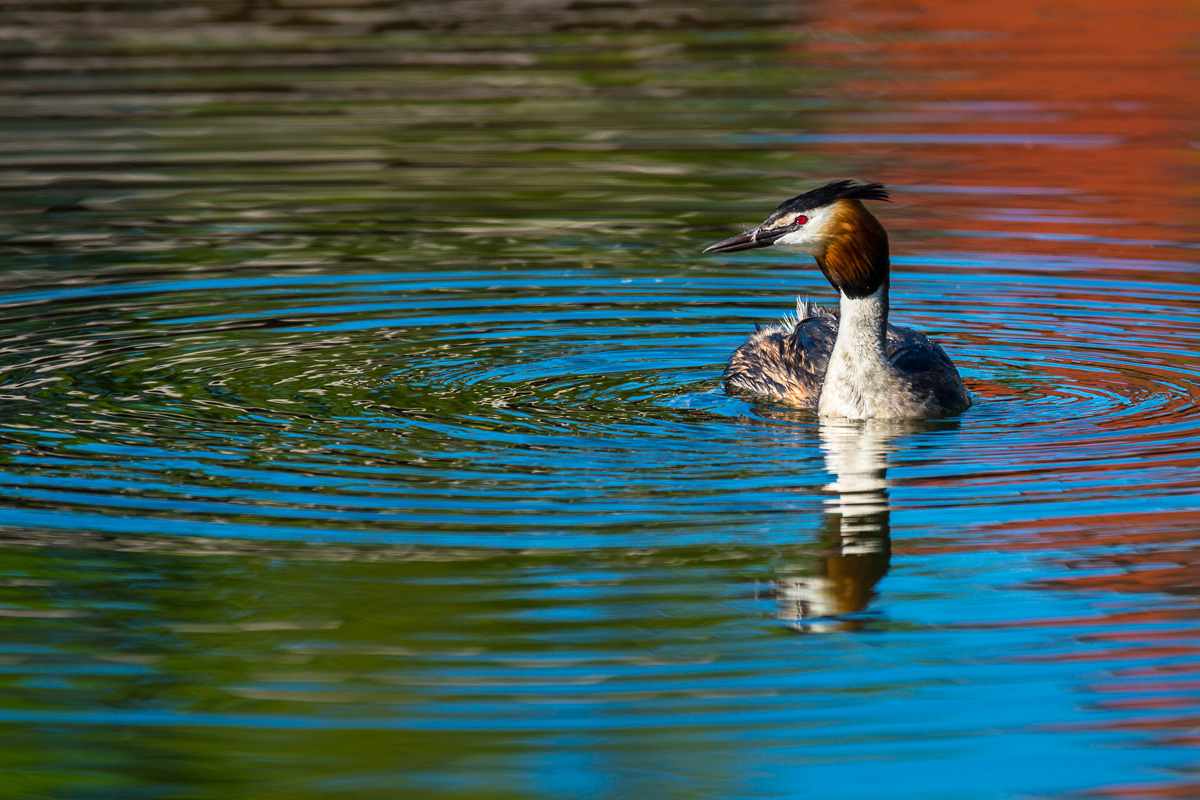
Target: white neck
{"points": [[858, 379]]}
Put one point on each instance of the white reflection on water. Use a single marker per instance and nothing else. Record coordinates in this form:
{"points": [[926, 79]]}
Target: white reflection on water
{"points": [[856, 535]]}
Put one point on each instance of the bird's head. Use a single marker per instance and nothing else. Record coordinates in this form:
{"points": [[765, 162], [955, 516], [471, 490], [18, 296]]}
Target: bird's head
{"points": [[830, 224]]}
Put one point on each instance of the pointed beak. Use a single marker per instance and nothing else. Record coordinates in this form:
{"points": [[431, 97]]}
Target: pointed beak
{"points": [[749, 240]]}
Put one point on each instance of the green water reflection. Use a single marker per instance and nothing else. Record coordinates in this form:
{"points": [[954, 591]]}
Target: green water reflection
{"points": [[361, 430]]}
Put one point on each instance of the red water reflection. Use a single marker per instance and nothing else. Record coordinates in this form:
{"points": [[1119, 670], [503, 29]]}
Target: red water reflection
{"points": [[1093, 106], [1064, 130]]}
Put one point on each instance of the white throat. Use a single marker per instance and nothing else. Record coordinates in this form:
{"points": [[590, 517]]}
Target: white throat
{"points": [[859, 377]]}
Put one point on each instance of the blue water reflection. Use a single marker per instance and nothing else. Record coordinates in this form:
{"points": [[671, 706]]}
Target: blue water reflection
{"points": [[361, 429]]}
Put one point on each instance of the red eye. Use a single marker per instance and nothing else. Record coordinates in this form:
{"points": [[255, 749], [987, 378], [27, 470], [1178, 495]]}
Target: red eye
{"points": [[800, 220]]}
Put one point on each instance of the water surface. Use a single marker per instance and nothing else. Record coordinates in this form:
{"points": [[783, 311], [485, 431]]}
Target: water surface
{"points": [[361, 429]]}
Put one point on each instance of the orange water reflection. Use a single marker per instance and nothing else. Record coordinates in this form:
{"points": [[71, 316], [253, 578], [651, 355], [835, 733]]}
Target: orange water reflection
{"points": [[1064, 130], [1093, 107]]}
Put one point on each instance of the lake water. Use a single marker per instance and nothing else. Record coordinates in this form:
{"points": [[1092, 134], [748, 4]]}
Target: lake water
{"points": [[361, 430]]}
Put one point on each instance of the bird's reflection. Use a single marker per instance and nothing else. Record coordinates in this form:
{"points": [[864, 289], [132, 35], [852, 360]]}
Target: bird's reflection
{"points": [[854, 544]]}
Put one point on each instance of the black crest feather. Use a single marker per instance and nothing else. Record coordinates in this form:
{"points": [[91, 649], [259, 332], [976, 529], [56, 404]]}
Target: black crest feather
{"points": [[852, 189]]}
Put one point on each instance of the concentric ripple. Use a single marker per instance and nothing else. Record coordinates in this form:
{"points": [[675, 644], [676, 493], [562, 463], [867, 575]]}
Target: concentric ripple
{"points": [[396, 407], [361, 430]]}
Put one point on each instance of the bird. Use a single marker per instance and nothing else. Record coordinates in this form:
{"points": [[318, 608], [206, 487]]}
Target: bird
{"points": [[848, 362]]}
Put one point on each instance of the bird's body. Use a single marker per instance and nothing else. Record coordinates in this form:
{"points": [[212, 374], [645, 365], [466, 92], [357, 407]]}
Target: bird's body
{"points": [[850, 362], [788, 362]]}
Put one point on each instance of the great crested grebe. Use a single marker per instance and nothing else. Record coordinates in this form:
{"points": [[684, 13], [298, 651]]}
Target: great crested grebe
{"points": [[848, 362]]}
